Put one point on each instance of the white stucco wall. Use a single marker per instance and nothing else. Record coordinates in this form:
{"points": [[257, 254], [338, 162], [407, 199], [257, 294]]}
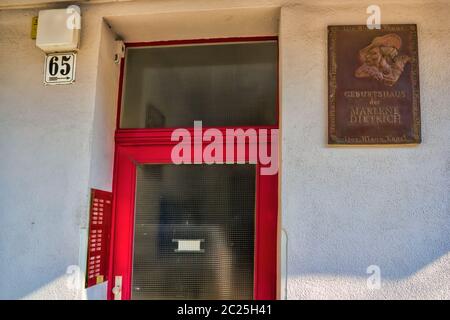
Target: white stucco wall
{"points": [[342, 209], [44, 171], [345, 209]]}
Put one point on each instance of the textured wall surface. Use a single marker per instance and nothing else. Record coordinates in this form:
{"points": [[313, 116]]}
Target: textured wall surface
{"points": [[347, 208], [342, 209], [56, 143], [44, 142]]}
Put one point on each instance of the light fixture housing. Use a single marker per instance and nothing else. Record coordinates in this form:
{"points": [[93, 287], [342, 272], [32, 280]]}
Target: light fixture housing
{"points": [[58, 30]]}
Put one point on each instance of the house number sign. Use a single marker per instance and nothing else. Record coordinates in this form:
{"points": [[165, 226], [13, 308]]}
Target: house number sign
{"points": [[60, 68]]}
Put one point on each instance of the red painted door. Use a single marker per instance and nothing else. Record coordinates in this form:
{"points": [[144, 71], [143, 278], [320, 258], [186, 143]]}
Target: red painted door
{"points": [[135, 149], [147, 254]]}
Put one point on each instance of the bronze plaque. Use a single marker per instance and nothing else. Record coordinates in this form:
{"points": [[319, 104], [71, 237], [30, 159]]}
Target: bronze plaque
{"points": [[373, 85]]}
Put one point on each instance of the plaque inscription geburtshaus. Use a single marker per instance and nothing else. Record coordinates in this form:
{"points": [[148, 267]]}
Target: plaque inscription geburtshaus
{"points": [[373, 85]]}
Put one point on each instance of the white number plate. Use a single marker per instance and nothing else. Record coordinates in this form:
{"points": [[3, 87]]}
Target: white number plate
{"points": [[60, 68]]}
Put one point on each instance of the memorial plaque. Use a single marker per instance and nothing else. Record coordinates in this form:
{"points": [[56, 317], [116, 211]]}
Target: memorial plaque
{"points": [[373, 85]]}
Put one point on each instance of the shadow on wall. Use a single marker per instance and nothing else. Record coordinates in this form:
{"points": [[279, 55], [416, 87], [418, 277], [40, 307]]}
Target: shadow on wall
{"points": [[36, 285], [67, 286]]}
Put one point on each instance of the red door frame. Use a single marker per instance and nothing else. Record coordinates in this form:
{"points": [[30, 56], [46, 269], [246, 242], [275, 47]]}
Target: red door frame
{"points": [[139, 146]]}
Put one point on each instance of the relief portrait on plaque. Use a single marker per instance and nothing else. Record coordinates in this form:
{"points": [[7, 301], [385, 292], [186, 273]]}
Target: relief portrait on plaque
{"points": [[373, 85]]}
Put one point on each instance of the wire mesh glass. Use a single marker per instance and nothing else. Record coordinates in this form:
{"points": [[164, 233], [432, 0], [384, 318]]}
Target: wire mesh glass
{"points": [[194, 232]]}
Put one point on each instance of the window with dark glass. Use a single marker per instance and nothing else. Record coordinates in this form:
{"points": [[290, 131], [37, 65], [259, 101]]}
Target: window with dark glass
{"points": [[228, 84]]}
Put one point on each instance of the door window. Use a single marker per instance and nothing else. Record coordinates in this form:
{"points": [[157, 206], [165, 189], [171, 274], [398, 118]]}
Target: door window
{"points": [[222, 85], [194, 232]]}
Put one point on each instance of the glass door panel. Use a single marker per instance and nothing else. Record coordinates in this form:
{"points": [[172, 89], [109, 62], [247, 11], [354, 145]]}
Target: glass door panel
{"points": [[194, 232]]}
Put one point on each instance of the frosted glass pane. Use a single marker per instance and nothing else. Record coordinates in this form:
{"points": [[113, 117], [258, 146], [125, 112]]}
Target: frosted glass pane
{"points": [[221, 85], [194, 232]]}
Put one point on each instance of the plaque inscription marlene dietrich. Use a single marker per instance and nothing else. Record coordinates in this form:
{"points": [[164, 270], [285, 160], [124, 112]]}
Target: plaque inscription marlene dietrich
{"points": [[373, 85]]}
